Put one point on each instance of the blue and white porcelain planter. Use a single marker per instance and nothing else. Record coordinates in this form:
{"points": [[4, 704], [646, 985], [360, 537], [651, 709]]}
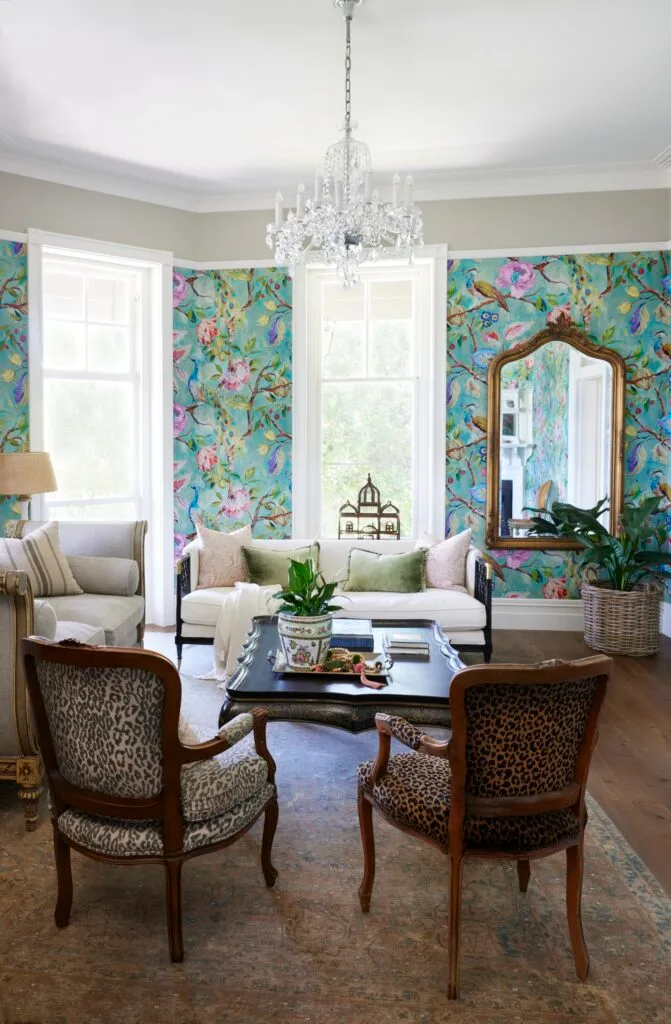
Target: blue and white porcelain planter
{"points": [[305, 639]]}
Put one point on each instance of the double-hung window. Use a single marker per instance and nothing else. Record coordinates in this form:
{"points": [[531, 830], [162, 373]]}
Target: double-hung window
{"points": [[372, 407], [91, 409]]}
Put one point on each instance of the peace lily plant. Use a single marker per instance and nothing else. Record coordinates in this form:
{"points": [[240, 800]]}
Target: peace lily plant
{"points": [[624, 573], [305, 622]]}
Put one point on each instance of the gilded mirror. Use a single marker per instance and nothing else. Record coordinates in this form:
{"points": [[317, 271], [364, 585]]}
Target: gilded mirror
{"points": [[555, 424]]}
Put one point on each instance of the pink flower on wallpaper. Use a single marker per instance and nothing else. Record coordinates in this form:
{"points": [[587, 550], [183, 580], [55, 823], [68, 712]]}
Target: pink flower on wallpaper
{"points": [[179, 288], [556, 589], [236, 502], [560, 314], [206, 331], [236, 376], [491, 337], [514, 559], [513, 595], [206, 458], [517, 276], [513, 331], [180, 418]]}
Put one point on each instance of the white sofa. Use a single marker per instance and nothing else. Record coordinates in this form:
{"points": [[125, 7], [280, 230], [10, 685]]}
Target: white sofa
{"points": [[107, 560], [464, 615]]}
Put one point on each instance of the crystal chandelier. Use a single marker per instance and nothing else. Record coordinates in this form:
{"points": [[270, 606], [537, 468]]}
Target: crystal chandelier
{"points": [[346, 223]]}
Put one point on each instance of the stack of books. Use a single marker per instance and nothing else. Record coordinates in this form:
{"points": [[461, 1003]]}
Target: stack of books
{"points": [[354, 634], [406, 644]]}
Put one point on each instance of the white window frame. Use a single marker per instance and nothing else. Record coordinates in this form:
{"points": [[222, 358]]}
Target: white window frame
{"points": [[155, 398], [430, 272]]}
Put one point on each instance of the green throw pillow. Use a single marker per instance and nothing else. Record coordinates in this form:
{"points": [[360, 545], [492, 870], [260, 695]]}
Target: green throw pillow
{"points": [[399, 574], [266, 567]]}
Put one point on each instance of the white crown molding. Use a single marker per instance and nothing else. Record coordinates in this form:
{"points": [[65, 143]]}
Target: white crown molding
{"points": [[12, 236], [537, 613], [429, 186]]}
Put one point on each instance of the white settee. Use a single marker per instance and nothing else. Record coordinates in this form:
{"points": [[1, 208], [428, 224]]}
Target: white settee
{"points": [[464, 615]]}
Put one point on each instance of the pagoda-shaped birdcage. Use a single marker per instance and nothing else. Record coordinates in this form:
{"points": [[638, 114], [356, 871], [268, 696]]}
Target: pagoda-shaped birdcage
{"points": [[369, 519]]}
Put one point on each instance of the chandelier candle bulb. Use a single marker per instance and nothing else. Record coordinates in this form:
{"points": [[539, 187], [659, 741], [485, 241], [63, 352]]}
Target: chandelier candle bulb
{"points": [[396, 189], [408, 190], [300, 201], [279, 200]]}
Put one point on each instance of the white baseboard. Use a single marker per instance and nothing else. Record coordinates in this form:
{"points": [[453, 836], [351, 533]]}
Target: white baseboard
{"points": [[666, 619], [536, 613]]}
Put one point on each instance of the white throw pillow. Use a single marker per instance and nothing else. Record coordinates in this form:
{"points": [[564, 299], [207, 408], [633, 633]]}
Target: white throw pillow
{"points": [[446, 560], [39, 554], [221, 562]]}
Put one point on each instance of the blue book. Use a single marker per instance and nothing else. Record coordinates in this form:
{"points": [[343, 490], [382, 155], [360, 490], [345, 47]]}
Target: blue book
{"points": [[354, 634]]}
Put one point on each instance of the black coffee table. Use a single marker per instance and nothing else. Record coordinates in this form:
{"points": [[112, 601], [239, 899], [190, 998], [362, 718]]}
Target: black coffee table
{"points": [[417, 688]]}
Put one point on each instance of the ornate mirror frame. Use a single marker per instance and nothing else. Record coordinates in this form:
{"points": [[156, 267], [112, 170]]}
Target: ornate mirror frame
{"points": [[577, 338]]}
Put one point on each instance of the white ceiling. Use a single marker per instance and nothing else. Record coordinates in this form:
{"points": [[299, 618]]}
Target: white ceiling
{"points": [[214, 104]]}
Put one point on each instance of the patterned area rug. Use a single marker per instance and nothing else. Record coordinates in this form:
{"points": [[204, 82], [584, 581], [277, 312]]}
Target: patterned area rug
{"points": [[303, 951]]}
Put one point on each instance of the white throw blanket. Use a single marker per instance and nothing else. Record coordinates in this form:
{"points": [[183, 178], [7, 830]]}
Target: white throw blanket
{"points": [[236, 612]]}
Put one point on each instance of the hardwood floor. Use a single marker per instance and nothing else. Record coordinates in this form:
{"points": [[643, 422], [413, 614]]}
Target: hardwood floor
{"points": [[631, 768]]}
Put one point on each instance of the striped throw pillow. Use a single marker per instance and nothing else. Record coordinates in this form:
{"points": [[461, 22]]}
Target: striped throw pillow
{"points": [[40, 556]]}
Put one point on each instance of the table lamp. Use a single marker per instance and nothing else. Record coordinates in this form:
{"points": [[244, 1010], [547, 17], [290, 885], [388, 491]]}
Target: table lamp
{"points": [[23, 474]]}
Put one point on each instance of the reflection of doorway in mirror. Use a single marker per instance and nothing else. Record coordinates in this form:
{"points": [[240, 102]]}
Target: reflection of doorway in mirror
{"points": [[589, 408]]}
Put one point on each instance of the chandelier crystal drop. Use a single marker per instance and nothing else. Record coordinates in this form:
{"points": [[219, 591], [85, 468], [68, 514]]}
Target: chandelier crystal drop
{"points": [[345, 223]]}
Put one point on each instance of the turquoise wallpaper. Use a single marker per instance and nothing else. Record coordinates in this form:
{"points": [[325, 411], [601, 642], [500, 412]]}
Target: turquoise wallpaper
{"points": [[13, 357], [232, 401], [619, 299]]}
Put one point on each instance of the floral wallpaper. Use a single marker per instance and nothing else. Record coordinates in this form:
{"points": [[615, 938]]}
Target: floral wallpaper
{"points": [[13, 358], [232, 401], [619, 299]]}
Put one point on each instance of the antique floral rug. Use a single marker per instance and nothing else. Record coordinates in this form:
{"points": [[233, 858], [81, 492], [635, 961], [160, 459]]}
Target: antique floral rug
{"points": [[303, 952]]}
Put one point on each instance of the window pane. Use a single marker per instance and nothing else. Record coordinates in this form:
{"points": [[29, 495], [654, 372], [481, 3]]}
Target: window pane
{"points": [[366, 430], [343, 352], [109, 349], [116, 512], [107, 299], [390, 336], [64, 345], [89, 433], [63, 293]]}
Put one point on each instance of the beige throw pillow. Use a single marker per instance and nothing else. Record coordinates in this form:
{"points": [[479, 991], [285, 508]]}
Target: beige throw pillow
{"points": [[39, 554], [221, 562], [446, 560]]}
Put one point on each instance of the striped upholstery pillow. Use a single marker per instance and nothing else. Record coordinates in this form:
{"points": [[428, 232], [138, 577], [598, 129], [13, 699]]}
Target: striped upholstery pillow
{"points": [[40, 555]]}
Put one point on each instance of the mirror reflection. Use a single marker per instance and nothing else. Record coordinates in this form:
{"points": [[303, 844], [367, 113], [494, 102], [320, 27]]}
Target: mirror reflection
{"points": [[555, 433]]}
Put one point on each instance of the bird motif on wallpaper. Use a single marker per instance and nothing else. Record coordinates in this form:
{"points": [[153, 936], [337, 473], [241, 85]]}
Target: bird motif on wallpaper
{"points": [[488, 291], [636, 458], [194, 386], [194, 512], [660, 487], [661, 345], [480, 422]]}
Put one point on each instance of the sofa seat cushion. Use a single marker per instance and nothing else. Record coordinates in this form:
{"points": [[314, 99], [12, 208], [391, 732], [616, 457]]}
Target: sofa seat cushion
{"points": [[116, 615], [416, 792], [214, 786], [201, 607], [116, 838], [85, 634], [455, 609]]}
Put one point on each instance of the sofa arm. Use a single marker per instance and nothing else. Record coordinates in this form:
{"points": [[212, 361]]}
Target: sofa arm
{"points": [[45, 619]]}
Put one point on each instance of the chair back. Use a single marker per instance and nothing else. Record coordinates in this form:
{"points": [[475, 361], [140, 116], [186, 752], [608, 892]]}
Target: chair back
{"points": [[523, 735], [107, 723]]}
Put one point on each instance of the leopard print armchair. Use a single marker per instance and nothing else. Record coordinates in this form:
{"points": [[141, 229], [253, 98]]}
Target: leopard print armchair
{"points": [[124, 786], [509, 784]]}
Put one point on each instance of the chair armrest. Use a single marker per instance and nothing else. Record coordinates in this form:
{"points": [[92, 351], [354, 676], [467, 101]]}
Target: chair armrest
{"points": [[230, 734], [392, 725]]}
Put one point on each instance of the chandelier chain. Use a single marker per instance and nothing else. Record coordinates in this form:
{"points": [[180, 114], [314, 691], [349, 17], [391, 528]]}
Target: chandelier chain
{"points": [[348, 75]]}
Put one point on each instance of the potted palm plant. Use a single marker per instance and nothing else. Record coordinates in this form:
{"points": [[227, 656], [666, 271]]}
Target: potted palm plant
{"points": [[623, 585], [305, 621]]}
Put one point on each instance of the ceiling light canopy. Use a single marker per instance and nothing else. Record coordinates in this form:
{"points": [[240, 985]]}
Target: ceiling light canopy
{"points": [[345, 223]]}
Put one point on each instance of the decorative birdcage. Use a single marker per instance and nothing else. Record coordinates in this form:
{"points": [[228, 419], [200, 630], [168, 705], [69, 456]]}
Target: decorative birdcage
{"points": [[369, 519]]}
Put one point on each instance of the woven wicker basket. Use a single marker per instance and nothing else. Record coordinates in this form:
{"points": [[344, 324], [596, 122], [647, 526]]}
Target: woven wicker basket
{"points": [[622, 621]]}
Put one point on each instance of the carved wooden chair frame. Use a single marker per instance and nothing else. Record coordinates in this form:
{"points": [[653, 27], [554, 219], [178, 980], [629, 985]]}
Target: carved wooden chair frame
{"points": [[573, 796], [166, 806]]}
